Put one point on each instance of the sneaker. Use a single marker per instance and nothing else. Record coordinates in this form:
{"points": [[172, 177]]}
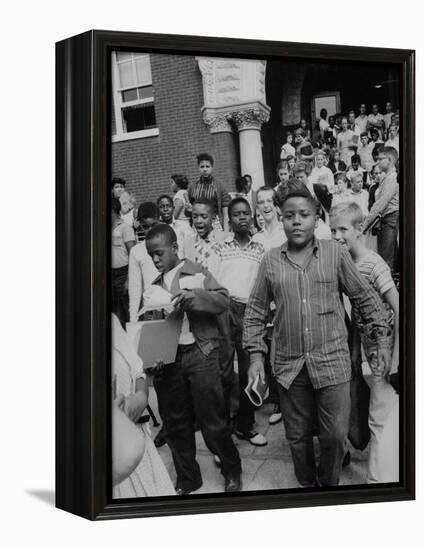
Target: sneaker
{"points": [[256, 439], [276, 416]]}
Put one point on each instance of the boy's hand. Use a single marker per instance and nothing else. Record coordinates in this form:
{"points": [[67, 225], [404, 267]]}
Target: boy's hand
{"points": [[135, 405], [120, 401], [256, 368], [384, 360], [181, 299]]}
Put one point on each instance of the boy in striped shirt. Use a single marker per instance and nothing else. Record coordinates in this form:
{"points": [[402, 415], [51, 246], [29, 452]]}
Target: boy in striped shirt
{"points": [[305, 277], [347, 228]]}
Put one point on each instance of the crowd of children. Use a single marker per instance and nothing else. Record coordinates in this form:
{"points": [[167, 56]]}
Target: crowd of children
{"points": [[268, 271]]}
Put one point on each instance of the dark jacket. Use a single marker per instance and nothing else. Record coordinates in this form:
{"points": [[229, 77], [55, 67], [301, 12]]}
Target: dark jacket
{"points": [[202, 309]]}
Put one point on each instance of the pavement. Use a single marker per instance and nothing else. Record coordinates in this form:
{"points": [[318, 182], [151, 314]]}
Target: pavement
{"points": [[263, 468]]}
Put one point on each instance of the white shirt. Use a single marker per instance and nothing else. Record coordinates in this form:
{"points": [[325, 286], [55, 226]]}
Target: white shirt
{"points": [[361, 122], [239, 267], [186, 336], [141, 273], [271, 239], [323, 125], [393, 143], [323, 176], [362, 199]]}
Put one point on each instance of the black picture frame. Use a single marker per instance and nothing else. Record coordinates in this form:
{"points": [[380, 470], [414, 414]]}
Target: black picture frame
{"points": [[82, 305]]}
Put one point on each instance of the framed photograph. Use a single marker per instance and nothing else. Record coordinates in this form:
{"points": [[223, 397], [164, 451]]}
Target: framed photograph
{"points": [[235, 275]]}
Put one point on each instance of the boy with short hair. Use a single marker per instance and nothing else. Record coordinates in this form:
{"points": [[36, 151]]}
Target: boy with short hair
{"points": [[207, 187], [365, 152], [312, 360], [387, 207], [240, 257], [359, 195], [190, 389], [141, 270], [347, 229]]}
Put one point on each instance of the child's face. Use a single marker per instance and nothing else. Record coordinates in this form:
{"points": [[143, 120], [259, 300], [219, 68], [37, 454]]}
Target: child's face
{"points": [[145, 224], [377, 175], [117, 190], [125, 204], [291, 163], [357, 184], [248, 184], [344, 124], [384, 162], [341, 186], [355, 164], [166, 209], [202, 218], [259, 218], [289, 139], [240, 218], [320, 161], [265, 205], [336, 156], [163, 254], [374, 136], [173, 186], [351, 118], [205, 168], [344, 232], [388, 107], [364, 140], [301, 177], [393, 132], [283, 175], [299, 221]]}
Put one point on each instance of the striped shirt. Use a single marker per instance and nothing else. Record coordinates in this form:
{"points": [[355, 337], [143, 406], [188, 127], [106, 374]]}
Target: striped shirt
{"points": [[208, 188], [239, 267], [309, 323], [378, 274]]}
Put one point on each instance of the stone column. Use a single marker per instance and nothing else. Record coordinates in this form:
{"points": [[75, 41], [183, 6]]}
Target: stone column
{"points": [[249, 121]]}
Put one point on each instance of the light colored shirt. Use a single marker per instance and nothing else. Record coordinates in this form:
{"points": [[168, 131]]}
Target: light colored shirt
{"points": [[270, 239], [184, 197], [310, 317], [361, 122], [387, 198], [323, 125], [365, 154], [323, 176], [362, 199], [186, 336], [141, 273], [204, 251], [377, 122], [239, 267], [121, 234], [393, 143], [286, 151]]}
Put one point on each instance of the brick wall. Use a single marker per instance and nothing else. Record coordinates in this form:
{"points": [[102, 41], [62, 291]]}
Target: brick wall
{"points": [[146, 164]]}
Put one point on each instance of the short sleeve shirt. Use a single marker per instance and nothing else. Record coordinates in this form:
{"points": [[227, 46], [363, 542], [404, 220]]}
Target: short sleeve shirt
{"points": [[122, 234]]}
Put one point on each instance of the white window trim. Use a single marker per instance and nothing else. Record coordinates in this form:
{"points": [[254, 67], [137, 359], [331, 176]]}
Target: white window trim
{"points": [[120, 135], [135, 135]]}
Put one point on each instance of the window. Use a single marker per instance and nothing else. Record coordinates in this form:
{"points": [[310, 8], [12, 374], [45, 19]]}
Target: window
{"points": [[133, 96]]}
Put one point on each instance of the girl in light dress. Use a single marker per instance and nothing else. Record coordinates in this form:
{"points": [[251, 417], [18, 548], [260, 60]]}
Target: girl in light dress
{"points": [[287, 148], [182, 206], [150, 476]]}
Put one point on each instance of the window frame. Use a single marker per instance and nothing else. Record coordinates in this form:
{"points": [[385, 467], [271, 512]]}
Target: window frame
{"points": [[119, 105]]}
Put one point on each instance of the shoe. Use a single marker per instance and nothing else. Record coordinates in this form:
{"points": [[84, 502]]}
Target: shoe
{"points": [[180, 491], [232, 483], [347, 459], [217, 460], [160, 440], [276, 416], [256, 439]]}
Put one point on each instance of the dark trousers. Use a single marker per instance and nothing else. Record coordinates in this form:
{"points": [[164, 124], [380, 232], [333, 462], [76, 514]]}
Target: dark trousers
{"points": [[245, 417], [120, 304], [188, 389], [300, 404], [387, 241]]}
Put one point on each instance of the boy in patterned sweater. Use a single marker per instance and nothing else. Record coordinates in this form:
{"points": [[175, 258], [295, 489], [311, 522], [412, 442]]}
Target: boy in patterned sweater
{"points": [[347, 228]]}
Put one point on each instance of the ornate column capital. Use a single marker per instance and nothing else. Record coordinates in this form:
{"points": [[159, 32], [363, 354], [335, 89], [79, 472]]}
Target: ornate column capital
{"points": [[217, 121], [251, 117]]}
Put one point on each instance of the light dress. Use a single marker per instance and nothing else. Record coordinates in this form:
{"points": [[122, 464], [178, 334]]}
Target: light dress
{"points": [[150, 477]]}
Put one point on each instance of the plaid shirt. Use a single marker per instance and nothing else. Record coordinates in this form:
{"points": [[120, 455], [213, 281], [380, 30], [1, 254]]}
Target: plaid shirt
{"points": [[309, 324]]}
